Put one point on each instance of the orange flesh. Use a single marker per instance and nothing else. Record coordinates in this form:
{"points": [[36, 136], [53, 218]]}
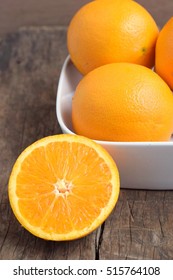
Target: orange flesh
{"points": [[59, 190]]}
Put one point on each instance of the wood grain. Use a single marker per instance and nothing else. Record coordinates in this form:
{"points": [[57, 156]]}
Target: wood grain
{"points": [[141, 225], [60, 12]]}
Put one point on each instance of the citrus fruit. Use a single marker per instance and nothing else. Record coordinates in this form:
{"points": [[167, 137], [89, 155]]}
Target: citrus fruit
{"points": [[62, 187], [164, 53], [123, 102], [109, 31]]}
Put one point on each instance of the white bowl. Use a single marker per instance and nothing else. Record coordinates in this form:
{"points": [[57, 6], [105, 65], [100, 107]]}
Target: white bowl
{"points": [[142, 165]]}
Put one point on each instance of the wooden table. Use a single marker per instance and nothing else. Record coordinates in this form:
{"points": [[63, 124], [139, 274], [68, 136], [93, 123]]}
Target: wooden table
{"points": [[141, 225]]}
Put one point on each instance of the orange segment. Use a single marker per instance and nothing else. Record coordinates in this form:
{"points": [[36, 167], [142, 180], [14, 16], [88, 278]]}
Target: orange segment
{"points": [[63, 187]]}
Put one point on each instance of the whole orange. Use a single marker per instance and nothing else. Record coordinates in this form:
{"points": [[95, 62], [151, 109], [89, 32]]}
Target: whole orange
{"points": [[123, 102], [108, 31], [164, 53]]}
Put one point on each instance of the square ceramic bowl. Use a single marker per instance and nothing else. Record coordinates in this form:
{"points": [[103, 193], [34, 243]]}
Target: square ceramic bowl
{"points": [[142, 165]]}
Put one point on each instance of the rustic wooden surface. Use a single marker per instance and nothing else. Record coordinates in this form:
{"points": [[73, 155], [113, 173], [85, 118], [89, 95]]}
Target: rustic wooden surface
{"points": [[141, 225]]}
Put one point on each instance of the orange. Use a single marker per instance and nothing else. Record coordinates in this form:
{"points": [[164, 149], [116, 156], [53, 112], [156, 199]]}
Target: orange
{"points": [[62, 187], [108, 31], [164, 53], [123, 102]]}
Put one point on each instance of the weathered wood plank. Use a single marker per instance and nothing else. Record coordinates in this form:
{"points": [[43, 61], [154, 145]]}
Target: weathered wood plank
{"points": [[141, 227], [30, 63]]}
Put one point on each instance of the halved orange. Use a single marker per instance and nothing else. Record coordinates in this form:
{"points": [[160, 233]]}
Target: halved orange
{"points": [[63, 187]]}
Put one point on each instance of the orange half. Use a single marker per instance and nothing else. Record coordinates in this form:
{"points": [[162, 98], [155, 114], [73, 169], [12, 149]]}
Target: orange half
{"points": [[63, 187]]}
